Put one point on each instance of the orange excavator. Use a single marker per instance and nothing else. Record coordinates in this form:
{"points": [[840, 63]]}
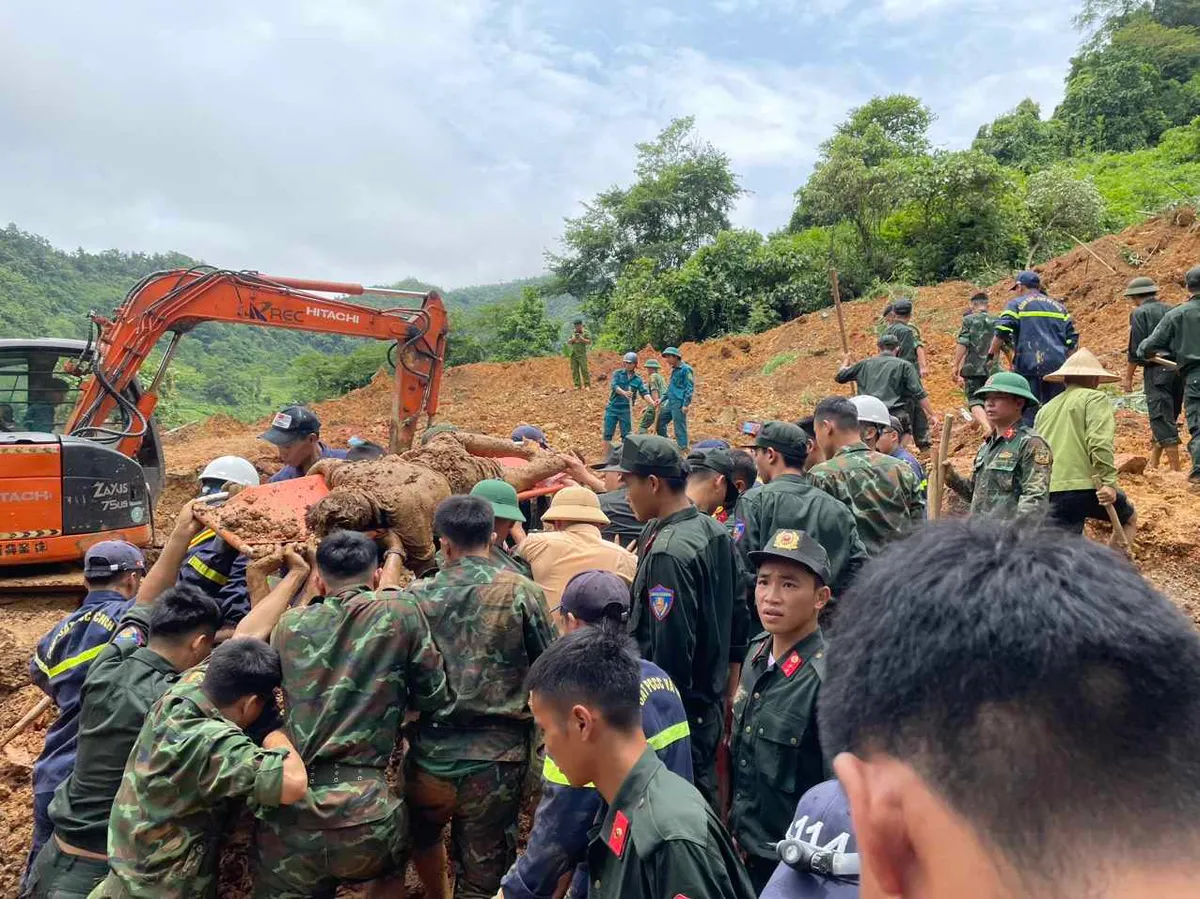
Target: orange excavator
{"points": [[95, 476]]}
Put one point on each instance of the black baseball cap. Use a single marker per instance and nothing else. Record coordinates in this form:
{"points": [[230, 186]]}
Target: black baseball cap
{"points": [[889, 342], [647, 454], [611, 463], [782, 436], [903, 307], [714, 459], [795, 546], [291, 424], [109, 557], [594, 595]]}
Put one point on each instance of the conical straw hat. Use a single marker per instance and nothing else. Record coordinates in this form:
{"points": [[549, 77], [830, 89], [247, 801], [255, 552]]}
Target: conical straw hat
{"points": [[1083, 364]]}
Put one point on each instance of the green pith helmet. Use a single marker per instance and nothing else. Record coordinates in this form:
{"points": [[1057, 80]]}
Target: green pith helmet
{"points": [[434, 430], [672, 351], [653, 363], [503, 499], [1007, 382], [1140, 287]]}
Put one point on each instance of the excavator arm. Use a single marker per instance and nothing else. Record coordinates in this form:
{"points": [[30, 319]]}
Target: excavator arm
{"points": [[177, 301]]}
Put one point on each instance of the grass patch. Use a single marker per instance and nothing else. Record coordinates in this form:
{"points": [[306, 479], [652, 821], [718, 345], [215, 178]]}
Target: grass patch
{"points": [[779, 361]]}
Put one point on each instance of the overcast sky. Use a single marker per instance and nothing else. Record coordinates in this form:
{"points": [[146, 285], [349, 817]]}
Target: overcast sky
{"points": [[446, 139]]}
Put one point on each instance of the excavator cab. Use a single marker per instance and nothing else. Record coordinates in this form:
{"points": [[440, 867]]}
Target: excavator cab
{"points": [[59, 494]]}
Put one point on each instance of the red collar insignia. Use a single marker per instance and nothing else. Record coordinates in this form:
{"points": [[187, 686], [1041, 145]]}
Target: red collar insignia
{"points": [[721, 515], [619, 834], [791, 664], [1008, 435]]}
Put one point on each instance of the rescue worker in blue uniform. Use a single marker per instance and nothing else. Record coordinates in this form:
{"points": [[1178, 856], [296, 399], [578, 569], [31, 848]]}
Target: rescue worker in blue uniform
{"points": [[112, 571], [295, 433], [627, 386], [680, 388], [559, 839], [1040, 335], [212, 564]]}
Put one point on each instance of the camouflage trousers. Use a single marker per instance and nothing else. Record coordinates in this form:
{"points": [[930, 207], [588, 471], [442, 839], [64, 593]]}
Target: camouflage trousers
{"points": [[298, 863], [973, 383], [482, 810]]}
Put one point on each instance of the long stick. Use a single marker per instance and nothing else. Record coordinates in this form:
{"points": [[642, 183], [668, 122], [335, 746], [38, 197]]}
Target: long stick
{"points": [[941, 456], [934, 500], [1118, 531], [837, 306], [27, 719], [1093, 252]]}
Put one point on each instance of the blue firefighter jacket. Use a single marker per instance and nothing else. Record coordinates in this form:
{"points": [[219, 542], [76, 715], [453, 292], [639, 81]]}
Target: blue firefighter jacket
{"points": [[1040, 332], [220, 572]]}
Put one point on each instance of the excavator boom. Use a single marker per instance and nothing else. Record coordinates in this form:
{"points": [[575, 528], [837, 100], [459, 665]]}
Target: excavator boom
{"points": [[177, 301]]}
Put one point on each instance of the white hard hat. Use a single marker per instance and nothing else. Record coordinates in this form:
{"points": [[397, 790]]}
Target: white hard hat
{"points": [[871, 410], [233, 469]]}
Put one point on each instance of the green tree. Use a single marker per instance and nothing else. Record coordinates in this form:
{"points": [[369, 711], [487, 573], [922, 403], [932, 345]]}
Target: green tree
{"points": [[1060, 208], [1115, 103], [681, 199], [526, 330], [642, 314], [1020, 139]]}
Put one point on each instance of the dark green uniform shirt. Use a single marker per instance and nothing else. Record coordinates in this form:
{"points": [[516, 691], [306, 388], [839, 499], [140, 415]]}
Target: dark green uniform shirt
{"points": [[660, 840], [976, 335], [791, 501], [683, 615], [122, 685], [909, 337], [1011, 475], [775, 748], [887, 378], [1177, 335], [621, 520]]}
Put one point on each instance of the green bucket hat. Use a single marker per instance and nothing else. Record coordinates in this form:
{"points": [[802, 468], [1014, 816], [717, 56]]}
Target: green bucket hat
{"points": [[503, 497], [652, 363], [1007, 382]]}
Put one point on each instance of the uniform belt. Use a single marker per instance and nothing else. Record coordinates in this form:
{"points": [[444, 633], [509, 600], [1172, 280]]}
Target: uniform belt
{"points": [[329, 774]]}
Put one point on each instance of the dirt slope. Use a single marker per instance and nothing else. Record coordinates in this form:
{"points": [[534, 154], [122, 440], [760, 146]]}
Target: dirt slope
{"points": [[731, 388]]}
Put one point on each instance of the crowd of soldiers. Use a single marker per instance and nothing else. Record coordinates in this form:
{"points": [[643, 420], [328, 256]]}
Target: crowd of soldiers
{"points": [[735, 671]]}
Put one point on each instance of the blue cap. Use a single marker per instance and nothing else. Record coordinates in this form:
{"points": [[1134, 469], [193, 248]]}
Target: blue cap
{"points": [[110, 557], [1029, 279], [822, 821], [712, 443], [522, 433]]}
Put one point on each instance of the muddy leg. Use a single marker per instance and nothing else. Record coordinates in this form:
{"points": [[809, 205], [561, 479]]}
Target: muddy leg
{"points": [[489, 447], [542, 466]]}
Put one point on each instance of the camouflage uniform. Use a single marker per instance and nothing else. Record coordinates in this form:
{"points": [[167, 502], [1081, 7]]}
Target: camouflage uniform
{"points": [[658, 391], [976, 335], [469, 760], [882, 492], [352, 663], [170, 812], [1011, 475]]}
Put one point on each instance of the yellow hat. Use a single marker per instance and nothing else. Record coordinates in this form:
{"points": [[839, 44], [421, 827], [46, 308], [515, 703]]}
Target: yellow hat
{"points": [[1083, 364], [576, 504]]}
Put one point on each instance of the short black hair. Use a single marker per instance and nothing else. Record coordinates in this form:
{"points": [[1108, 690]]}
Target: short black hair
{"points": [[673, 484], [808, 425], [839, 410], [980, 297], [596, 667], [794, 460], [345, 556], [744, 467], [365, 452], [468, 521], [106, 582], [1035, 681], [243, 666], [181, 611]]}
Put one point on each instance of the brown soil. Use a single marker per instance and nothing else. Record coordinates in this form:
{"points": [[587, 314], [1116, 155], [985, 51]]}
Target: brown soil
{"points": [[494, 398]]}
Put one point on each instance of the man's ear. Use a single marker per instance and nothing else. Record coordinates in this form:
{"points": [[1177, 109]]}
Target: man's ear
{"points": [[375, 578], [322, 587], [824, 594], [877, 810], [583, 721]]}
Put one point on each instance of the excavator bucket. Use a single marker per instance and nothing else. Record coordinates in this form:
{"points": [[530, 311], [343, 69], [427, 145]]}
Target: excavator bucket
{"points": [[266, 515]]}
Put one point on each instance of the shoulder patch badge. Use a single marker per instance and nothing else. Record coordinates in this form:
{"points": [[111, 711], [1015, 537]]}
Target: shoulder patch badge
{"points": [[661, 600], [739, 529], [1041, 454], [130, 635], [619, 834]]}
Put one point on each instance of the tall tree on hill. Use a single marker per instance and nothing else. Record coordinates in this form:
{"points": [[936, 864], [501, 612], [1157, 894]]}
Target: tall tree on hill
{"points": [[1060, 208], [526, 330], [1020, 139], [857, 178], [682, 197]]}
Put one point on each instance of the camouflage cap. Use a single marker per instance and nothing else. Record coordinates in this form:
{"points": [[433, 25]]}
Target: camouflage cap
{"points": [[795, 546], [647, 454], [783, 437]]}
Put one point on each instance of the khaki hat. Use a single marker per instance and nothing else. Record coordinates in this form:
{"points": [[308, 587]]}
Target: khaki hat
{"points": [[1083, 364], [576, 504]]}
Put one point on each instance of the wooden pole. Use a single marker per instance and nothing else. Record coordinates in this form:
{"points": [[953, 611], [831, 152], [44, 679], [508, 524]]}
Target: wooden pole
{"points": [[934, 500], [837, 306], [27, 719], [1118, 531], [943, 455], [1093, 253]]}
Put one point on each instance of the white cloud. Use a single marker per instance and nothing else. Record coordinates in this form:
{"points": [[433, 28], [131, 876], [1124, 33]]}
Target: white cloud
{"points": [[372, 139]]}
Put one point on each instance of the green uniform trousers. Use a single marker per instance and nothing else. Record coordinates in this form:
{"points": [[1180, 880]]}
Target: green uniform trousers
{"points": [[673, 414], [481, 809], [647, 421], [579, 371], [298, 863], [56, 875], [1164, 401], [706, 728], [1191, 409]]}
